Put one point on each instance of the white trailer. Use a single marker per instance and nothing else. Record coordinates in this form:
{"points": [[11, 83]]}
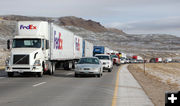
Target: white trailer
{"points": [[78, 47], [87, 49], [62, 44], [107, 50], [39, 45]]}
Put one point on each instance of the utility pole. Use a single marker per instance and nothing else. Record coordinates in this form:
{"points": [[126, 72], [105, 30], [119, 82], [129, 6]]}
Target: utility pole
{"points": [[144, 65]]}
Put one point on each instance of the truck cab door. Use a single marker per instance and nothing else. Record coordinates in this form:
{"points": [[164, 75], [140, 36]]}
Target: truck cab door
{"points": [[45, 48]]}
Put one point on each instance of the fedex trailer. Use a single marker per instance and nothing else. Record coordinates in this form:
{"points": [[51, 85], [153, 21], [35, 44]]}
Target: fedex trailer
{"points": [[39, 45], [87, 49]]}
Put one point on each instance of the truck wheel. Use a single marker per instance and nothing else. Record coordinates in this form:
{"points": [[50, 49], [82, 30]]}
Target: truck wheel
{"points": [[68, 65], [39, 74], [76, 75], [109, 70], [51, 71], [10, 74], [98, 75], [73, 65]]}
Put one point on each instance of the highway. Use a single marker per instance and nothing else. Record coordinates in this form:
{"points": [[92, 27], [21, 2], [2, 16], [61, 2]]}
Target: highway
{"points": [[61, 89]]}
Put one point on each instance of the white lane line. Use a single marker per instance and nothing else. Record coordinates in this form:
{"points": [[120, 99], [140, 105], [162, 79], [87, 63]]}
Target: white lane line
{"points": [[2, 77], [69, 73], [39, 84]]}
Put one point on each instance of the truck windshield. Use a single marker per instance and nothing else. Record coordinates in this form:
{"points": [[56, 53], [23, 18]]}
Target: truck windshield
{"points": [[26, 43], [114, 56]]}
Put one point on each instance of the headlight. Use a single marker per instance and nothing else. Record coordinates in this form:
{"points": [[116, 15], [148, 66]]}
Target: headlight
{"points": [[7, 62], [37, 63], [78, 68]]}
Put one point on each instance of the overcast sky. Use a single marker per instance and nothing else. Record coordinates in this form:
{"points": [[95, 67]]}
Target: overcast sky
{"points": [[132, 16]]}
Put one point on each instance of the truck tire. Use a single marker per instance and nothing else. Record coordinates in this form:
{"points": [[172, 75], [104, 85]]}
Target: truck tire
{"points": [[98, 75], [10, 74], [68, 65], [109, 70], [51, 71], [76, 75], [39, 74], [73, 65]]}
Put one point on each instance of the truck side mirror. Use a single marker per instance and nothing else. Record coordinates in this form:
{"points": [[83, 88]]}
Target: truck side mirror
{"points": [[8, 44]]}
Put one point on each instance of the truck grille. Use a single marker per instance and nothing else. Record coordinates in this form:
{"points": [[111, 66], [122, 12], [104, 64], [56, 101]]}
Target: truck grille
{"points": [[21, 59], [86, 68]]}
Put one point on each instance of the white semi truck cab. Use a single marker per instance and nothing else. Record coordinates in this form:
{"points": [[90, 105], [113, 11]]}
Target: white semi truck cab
{"points": [[30, 49]]}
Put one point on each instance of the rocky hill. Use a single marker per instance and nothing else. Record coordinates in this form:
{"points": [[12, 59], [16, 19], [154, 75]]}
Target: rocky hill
{"points": [[79, 22]]}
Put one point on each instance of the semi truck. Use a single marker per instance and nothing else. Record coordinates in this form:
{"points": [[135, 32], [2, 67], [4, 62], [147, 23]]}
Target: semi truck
{"points": [[100, 50], [40, 45], [137, 57]]}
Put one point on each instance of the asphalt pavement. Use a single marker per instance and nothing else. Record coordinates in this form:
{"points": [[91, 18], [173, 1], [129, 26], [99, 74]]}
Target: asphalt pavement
{"points": [[61, 89]]}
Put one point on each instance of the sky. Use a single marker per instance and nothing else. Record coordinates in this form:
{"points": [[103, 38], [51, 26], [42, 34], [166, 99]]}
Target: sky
{"points": [[132, 16]]}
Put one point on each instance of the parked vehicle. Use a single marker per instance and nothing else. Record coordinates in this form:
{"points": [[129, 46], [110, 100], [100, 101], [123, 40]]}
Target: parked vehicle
{"points": [[106, 61], [40, 45], [89, 66], [116, 59]]}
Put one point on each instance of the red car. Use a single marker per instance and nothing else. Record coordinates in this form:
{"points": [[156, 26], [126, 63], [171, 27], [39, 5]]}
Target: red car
{"points": [[116, 59]]}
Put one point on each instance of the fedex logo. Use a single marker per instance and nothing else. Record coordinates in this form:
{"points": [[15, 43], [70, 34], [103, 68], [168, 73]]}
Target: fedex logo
{"points": [[58, 41], [77, 43], [29, 27]]}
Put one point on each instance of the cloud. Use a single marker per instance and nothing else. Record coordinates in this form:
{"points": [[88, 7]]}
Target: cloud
{"points": [[130, 15], [170, 25]]}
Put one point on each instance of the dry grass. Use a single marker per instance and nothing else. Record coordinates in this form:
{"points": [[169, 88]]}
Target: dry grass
{"points": [[153, 85], [168, 73]]}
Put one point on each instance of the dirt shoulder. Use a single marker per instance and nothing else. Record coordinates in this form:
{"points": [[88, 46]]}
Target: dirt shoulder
{"points": [[152, 85]]}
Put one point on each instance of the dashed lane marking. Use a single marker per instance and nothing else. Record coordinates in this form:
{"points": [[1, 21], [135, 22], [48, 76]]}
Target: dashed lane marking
{"points": [[39, 84], [2, 77], [69, 73]]}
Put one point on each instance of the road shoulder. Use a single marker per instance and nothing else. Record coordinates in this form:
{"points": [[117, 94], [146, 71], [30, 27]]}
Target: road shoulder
{"points": [[130, 93]]}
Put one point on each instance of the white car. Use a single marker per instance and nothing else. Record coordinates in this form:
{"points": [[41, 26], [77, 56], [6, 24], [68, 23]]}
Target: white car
{"points": [[89, 66], [106, 61]]}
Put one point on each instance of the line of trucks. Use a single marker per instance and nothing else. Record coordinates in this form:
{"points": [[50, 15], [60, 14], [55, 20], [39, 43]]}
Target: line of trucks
{"points": [[42, 46]]}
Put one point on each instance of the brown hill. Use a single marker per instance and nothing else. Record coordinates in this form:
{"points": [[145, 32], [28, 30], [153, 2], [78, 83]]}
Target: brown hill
{"points": [[117, 31], [79, 22], [66, 21]]}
